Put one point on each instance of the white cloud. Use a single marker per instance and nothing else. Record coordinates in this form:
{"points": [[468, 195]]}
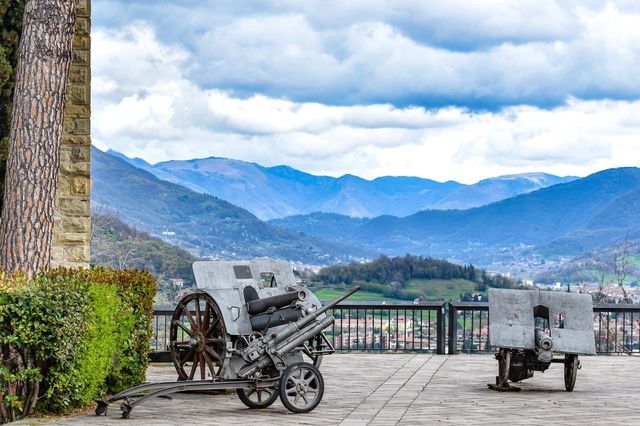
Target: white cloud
{"points": [[481, 54], [160, 115], [451, 23], [446, 90]]}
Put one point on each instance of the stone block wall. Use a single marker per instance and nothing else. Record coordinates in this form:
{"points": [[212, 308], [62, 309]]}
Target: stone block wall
{"points": [[72, 223]]}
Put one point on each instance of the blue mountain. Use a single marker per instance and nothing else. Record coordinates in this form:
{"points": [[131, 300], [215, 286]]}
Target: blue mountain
{"points": [[277, 192], [563, 219], [205, 225]]}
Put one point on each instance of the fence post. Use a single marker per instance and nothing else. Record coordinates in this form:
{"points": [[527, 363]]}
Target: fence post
{"points": [[441, 338], [453, 329]]}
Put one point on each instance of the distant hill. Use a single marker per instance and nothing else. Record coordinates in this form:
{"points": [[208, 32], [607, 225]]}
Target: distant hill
{"points": [[114, 244], [622, 213], [590, 211], [412, 277], [618, 219], [201, 223], [495, 189], [599, 265], [276, 192], [330, 225]]}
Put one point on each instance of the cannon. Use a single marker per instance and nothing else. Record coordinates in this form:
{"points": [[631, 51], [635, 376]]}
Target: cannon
{"points": [[247, 328], [530, 327]]}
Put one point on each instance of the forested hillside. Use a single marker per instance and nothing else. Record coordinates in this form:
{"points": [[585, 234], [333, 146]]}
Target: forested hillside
{"points": [[201, 223], [117, 245], [565, 219], [412, 277]]}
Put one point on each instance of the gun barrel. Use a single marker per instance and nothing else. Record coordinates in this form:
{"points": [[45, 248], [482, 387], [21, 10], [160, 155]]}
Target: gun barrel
{"points": [[261, 305], [304, 321], [304, 336], [543, 340], [330, 305], [286, 346], [292, 335]]}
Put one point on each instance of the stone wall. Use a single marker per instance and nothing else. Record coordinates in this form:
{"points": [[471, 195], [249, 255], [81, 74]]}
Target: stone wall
{"points": [[72, 224]]}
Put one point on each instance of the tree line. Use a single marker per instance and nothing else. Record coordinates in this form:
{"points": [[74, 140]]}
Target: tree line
{"points": [[387, 270]]}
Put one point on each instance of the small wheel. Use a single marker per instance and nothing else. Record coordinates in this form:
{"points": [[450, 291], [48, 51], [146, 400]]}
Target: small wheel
{"points": [[570, 371], [504, 362], [258, 398], [101, 408], [126, 410], [301, 387]]}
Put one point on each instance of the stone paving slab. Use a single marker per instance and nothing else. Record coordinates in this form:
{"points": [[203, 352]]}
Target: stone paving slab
{"points": [[385, 389]]}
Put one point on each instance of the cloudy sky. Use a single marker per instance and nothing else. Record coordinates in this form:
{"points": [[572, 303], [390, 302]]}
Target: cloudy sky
{"points": [[458, 90]]}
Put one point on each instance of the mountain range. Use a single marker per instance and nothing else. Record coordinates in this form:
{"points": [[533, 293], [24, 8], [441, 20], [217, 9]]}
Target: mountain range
{"points": [[563, 217], [561, 220], [201, 223], [281, 191]]}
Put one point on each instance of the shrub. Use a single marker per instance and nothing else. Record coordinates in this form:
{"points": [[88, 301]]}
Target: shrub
{"points": [[43, 326], [106, 331], [67, 336], [136, 289]]}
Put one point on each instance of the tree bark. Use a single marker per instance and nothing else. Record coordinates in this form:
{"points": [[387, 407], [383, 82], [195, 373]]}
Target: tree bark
{"points": [[26, 228]]}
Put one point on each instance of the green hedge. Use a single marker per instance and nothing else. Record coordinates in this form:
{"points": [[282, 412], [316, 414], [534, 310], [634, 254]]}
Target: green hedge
{"points": [[68, 336]]}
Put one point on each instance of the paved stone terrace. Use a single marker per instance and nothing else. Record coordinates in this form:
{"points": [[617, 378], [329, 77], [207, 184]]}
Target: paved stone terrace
{"points": [[380, 389]]}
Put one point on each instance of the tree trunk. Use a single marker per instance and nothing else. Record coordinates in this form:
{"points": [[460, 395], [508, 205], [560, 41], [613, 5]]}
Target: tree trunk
{"points": [[26, 228]]}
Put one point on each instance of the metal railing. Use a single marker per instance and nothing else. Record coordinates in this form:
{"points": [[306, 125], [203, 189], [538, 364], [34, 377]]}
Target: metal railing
{"points": [[617, 328], [440, 327], [418, 327], [381, 327], [468, 329], [160, 338]]}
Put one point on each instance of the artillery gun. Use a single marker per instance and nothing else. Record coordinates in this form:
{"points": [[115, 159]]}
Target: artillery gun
{"points": [[530, 326], [246, 328]]}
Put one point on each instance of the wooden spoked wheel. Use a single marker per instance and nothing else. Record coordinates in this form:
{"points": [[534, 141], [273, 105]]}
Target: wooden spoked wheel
{"points": [[258, 398], [198, 337]]}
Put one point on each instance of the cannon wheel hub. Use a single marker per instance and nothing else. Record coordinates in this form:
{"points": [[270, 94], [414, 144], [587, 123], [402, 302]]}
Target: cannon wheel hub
{"points": [[199, 338]]}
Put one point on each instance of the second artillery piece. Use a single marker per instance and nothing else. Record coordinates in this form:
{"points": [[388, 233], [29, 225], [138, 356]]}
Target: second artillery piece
{"points": [[529, 326], [246, 328]]}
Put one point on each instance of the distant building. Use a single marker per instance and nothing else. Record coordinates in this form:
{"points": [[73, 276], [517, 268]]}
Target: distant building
{"points": [[177, 282]]}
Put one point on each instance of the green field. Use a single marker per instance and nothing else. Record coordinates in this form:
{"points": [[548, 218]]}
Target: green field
{"points": [[611, 278], [442, 289], [430, 289], [330, 293]]}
